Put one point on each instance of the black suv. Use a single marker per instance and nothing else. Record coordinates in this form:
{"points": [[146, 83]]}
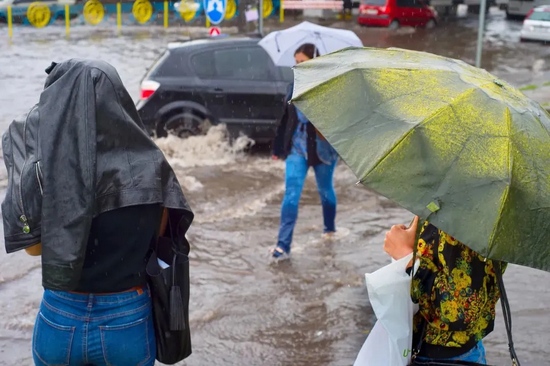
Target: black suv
{"points": [[220, 80]]}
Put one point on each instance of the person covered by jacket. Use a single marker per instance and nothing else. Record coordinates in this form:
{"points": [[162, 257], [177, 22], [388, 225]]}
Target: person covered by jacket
{"points": [[302, 147], [98, 194], [456, 290]]}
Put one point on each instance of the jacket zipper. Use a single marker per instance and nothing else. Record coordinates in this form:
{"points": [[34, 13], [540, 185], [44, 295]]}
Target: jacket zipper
{"points": [[23, 217], [39, 176]]}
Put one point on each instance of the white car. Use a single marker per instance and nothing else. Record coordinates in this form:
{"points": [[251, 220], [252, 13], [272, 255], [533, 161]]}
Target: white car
{"points": [[536, 26]]}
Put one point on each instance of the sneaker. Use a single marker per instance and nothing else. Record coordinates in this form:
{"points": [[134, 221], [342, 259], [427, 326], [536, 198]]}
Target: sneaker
{"points": [[330, 236], [277, 254]]}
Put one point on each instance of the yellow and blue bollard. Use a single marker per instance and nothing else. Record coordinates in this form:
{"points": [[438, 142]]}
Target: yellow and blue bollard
{"points": [[10, 24], [118, 16], [67, 20], [166, 14]]}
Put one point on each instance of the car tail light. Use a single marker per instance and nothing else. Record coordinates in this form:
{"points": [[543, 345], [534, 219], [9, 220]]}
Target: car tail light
{"points": [[148, 88], [384, 10]]}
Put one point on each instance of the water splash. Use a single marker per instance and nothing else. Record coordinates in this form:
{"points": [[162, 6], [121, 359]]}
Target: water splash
{"points": [[212, 149]]}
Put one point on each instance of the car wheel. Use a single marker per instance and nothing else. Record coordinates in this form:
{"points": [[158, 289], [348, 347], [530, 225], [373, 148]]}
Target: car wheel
{"points": [[394, 25], [182, 125], [431, 24]]}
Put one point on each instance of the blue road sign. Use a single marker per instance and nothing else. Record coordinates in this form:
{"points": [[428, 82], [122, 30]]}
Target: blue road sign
{"points": [[215, 10]]}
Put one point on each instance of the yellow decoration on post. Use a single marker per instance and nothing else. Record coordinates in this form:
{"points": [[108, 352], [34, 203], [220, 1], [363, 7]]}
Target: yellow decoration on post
{"points": [[39, 14], [281, 12], [268, 8], [142, 11], [230, 9], [188, 10], [93, 12]]}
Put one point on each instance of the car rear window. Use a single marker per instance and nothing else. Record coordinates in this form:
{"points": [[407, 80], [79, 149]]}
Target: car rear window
{"points": [[169, 64], [250, 63], [409, 4], [203, 65], [153, 69], [239, 63], [541, 16], [374, 2]]}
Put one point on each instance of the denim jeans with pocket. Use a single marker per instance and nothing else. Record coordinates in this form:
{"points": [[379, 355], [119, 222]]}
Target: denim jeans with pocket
{"points": [[100, 330], [295, 176]]}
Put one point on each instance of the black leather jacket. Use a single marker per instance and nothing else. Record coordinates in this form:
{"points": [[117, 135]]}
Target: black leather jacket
{"points": [[81, 151]]}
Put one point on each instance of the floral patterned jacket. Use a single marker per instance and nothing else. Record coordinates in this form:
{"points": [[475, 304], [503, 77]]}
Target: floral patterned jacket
{"points": [[456, 290]]}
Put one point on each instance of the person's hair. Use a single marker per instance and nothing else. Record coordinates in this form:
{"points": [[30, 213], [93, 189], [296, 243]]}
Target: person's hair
{"points": [[308, 49]]}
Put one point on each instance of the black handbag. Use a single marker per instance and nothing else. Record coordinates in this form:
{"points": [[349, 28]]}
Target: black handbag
{"points": [[169, 287], [507, 321]]}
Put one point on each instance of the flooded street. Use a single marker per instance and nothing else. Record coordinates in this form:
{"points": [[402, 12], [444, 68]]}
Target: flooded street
{"points": [[313, 310]]}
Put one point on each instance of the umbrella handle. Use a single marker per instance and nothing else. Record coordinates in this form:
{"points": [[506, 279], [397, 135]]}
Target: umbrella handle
{"points": [[277, 42]]}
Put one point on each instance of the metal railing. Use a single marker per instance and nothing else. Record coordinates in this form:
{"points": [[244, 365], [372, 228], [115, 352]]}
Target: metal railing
{"points": [[139, 12]]}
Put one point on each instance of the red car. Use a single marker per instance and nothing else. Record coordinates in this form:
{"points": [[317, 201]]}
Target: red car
{"points": [[396, 13]]}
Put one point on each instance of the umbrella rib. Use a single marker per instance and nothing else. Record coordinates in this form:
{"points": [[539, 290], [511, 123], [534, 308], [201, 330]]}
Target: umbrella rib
{"points": [[395, 146], [404, 95], [507, 191], [343, 40], [299, 67]]}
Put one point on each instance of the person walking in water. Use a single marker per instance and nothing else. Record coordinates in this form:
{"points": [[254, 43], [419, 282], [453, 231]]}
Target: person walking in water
{"points": [[303, 146]]}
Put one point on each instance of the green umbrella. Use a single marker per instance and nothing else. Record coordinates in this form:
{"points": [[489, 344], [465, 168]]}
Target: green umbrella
{"points": [[447, 141]]}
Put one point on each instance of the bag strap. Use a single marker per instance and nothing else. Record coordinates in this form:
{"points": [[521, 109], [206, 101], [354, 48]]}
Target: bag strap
{"points": [[507, 315]]}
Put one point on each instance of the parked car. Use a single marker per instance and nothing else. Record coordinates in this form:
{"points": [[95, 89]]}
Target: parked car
{"points": [[536, 26], [518, 9], [218, 80], [396, 13]]}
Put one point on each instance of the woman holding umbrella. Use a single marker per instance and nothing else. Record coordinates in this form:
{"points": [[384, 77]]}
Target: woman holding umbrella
{"points": [[303, 146], [456, 290], [461, 148]]}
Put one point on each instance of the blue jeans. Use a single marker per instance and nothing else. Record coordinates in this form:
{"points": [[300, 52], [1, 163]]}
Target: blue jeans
{"points": [[476, 354], [295, 176], [87, 329]]}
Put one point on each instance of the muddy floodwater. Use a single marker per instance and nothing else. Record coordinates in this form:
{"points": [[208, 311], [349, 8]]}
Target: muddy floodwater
{"points": [[313, 310]]}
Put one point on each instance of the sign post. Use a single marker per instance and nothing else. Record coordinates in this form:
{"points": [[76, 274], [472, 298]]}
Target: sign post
{"points": [[480, 31], [261, 18], [215, 10]]}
